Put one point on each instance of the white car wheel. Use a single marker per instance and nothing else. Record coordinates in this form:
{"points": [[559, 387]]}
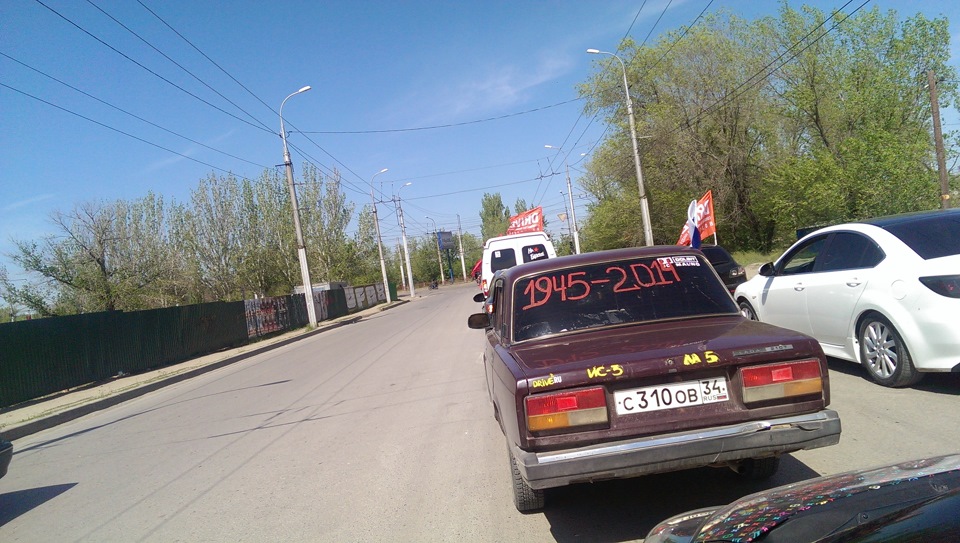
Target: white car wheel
{"points": [[885, 355]]}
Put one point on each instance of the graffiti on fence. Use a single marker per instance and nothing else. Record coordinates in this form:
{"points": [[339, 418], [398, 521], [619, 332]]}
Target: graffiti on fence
{"points": [[266, 315]]}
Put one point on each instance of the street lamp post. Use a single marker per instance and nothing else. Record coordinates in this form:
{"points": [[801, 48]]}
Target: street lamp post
{"points": [[301, 248], [644, 208], [439, 258], [376, 224], [573, 212], [403, 233]]}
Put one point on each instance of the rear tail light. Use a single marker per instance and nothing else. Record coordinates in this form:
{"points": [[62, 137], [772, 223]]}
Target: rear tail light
{"points": [[784, 380], [944, 285], [483, 287], [566, 409]]}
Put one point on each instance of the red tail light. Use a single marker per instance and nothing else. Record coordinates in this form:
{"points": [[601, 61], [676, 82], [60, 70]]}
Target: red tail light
{"points": [[783, 380], [566, 409], [944, 285]]}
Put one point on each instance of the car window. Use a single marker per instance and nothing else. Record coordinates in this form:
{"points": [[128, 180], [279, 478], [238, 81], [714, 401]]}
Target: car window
{"points": [[615, 293], [502, 259], [499, 322], [716, 255], [931, 237], [803, 258], [534, 252], [849, 251]]}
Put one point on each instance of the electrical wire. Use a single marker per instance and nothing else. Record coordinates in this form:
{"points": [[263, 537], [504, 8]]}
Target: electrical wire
{"points": [[121, 110], [164, 79], [129, 135]]}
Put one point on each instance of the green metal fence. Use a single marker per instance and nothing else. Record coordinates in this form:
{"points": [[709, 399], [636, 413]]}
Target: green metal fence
{"points": [[46, 356]]}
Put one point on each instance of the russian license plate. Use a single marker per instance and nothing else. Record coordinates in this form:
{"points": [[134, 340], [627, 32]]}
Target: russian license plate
{"points": [[672, 396]]}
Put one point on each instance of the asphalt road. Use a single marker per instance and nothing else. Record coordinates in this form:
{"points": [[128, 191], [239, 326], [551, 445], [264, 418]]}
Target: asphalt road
{"points": [[381, 431]]}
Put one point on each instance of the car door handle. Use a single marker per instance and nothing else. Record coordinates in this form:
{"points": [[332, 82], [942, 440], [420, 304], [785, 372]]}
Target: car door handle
{"points": [[798, 287], [854, 282]]}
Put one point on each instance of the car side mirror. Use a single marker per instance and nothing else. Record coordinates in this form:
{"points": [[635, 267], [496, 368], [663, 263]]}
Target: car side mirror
{"points": [[766, 270], [479, 297], [478, 321]]}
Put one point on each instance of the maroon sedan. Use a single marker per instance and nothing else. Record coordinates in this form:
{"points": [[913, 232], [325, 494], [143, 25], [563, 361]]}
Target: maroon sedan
{"points": [[636, 361]]}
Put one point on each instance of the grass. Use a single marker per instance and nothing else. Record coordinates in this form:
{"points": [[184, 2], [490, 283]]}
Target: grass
{"points": [[745, 258]]}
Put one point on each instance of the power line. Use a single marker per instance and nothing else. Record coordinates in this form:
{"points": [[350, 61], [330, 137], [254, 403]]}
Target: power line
{"points": [[204, 55], [435, 127], [314, 162], [735, 94], [155, 125], [51, 104], [114, 49], [177, 64]]}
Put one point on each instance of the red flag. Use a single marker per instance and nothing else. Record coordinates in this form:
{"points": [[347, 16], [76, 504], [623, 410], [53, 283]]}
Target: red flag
{"points": [[705, 220], [528, 221]]}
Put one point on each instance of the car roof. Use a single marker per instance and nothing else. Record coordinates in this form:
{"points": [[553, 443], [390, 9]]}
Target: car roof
{"points": [[906, 218], [540, 235], [596, 257]]}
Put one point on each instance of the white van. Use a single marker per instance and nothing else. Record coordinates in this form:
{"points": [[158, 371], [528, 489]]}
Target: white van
{"points": [[505, 252]]}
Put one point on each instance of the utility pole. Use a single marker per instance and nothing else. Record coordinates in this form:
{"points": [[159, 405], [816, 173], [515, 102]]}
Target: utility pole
{"points": [[301, 247], [573, 211], [938, 141], [436, 235], [403, 278], [376, 224], [463, 266], [406, 250]]}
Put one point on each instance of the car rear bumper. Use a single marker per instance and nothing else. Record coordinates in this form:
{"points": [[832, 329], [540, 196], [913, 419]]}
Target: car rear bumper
{"points": [[677, 451], [6, 454]]}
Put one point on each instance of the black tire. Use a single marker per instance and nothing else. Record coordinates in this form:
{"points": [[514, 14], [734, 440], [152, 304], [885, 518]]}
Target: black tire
{"points": [[884, 354], [747, 310], [758, 469], [525, 498]]}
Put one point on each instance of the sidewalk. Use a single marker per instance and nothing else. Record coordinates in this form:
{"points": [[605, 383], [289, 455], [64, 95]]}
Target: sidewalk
{"points": [[36, 415]]}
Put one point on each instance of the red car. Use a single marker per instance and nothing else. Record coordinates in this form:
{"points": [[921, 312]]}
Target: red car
{"points": [[636, 361]]}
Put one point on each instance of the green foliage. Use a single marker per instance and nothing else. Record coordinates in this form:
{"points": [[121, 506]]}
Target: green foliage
{"points": [[494, 216], [838, 130]]}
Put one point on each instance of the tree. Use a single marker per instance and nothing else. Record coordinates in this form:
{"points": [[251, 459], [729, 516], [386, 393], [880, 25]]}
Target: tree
{"points": [[325, 215], [494, 216], [789, 121], [212, 232], [105, 257]]}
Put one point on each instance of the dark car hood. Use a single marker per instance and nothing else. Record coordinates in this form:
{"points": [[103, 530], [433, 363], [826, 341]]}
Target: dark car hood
{"points": [[845, 507], [733, 338]]}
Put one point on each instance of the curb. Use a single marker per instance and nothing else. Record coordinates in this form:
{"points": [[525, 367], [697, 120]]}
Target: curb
{"points": [[12, 432]]}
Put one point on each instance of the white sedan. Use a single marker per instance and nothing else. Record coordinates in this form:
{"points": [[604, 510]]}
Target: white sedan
{"points": [[884, 293]]}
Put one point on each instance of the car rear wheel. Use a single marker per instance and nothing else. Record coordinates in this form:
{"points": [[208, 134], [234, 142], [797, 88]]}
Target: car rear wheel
{"points": [[758, 469], [525, 498], [747, 311], [884, 354]]}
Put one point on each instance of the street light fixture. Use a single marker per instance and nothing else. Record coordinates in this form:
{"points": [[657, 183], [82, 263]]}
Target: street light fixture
{"points": [[573, 211], [376, 224], [403, 233], [644, 208], [439, 258], [301, 248]]}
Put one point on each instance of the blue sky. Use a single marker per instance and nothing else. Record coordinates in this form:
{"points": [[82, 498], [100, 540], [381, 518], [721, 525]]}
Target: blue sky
{"points": [[498, 78]]}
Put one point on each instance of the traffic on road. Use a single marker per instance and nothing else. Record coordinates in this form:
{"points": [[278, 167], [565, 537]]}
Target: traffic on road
{"points": [[383, 429]]}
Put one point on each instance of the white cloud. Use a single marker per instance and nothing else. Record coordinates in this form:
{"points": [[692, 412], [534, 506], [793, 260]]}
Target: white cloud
{"points": [[28, 202], [494, 89]]}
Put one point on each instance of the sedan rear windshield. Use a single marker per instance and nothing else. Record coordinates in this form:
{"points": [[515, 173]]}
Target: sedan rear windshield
{"points": [[931, 237], [615, 293]]}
